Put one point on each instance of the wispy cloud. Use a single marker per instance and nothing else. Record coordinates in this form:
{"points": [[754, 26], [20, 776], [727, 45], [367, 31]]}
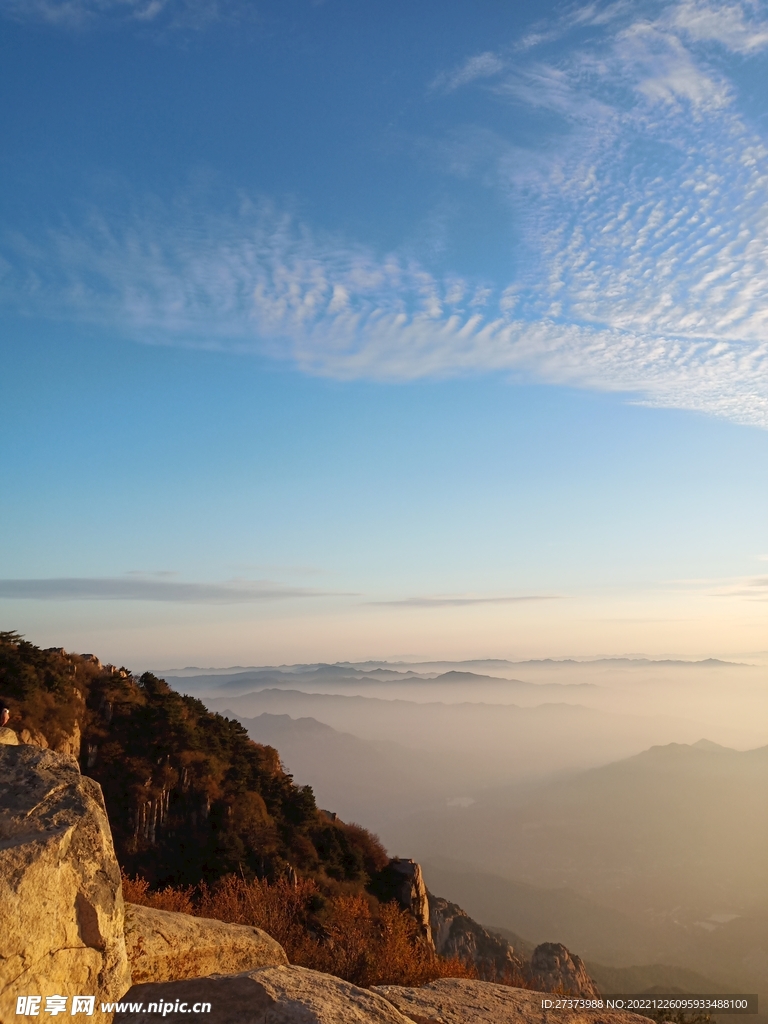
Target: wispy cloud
{"points": [[140, 587], [82, 14], [737, 27], [460, 602], [753, 588], [482, 65]]}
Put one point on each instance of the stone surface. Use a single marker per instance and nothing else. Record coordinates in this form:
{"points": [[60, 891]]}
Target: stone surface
{"points": [[554, 969], [459, 1001], [455, 933], [272, 995], [61, 904], [166, 946], [8, 737], [402, 880]]}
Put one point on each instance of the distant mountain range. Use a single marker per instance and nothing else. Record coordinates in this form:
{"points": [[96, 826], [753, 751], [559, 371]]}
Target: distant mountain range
{"points": [[385, 683], [492, 743], [678, 825]]}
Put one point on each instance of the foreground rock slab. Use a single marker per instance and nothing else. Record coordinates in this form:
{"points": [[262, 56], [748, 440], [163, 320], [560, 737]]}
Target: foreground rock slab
{"points": [[166, 946], [61, 904], [272, 995], [459, 1001]]}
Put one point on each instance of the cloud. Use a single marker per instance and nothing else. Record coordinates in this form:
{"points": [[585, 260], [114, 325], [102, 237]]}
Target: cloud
{"points": [[151, 587], [753, 588], [604, 310], [664, 70], [460, 602], [643, 246], [736, 27], [81, 14], [548, 87], [482, 65]]}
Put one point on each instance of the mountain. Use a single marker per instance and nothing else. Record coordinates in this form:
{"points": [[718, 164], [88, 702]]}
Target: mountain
{"points": [[362, 780], [676, 827], [497, 742], [599, 933], [382, 681], [651, 978], [658, 858], [731, 957]]}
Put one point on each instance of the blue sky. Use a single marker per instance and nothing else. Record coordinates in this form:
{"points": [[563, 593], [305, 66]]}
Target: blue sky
{"points": [[347, 329]]}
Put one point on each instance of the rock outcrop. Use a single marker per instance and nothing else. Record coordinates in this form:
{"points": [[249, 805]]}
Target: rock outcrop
{"points": [[554, 969], [61, 904], [402, 880], [166, 946], [459, 1001], [456, 934], [273, 995]]}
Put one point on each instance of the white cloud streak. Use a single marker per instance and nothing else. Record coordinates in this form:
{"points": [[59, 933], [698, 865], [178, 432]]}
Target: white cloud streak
{"points": [[482, 65]]}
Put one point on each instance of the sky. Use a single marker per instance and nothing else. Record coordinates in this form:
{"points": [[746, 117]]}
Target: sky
{"points": [[346, 329]]}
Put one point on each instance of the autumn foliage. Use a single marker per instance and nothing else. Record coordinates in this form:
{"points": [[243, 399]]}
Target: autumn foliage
{"points": [[349, 934]]}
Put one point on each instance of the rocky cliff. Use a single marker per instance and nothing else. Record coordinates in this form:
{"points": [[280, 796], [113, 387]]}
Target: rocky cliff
{"points": [[61, 904], [451, 932], [554, 969], [456, 934]]}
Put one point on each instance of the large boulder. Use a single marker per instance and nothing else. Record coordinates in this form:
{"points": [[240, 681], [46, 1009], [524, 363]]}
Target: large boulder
{"points": [[459, 1001], [61, 904], [554, 969], [166, 946], [272, 995]]}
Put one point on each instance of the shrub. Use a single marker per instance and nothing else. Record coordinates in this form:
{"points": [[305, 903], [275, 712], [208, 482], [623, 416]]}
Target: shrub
{"points": [[136, 890], [350, 935]]}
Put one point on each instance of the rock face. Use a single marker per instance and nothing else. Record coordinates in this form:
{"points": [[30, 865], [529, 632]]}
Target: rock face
{"points": [[403, 881], [554, 969], [165, 946], [273, 995], [61, 905], [8, 737], [458, 1001], [455, 933]]}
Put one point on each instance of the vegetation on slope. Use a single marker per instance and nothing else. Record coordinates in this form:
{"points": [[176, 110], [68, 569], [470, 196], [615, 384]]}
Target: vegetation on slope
{"points": [[349, 934], [190, 797]]}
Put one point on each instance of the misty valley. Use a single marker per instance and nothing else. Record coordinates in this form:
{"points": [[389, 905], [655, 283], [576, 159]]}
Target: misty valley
{"points": [[546, 799]]}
